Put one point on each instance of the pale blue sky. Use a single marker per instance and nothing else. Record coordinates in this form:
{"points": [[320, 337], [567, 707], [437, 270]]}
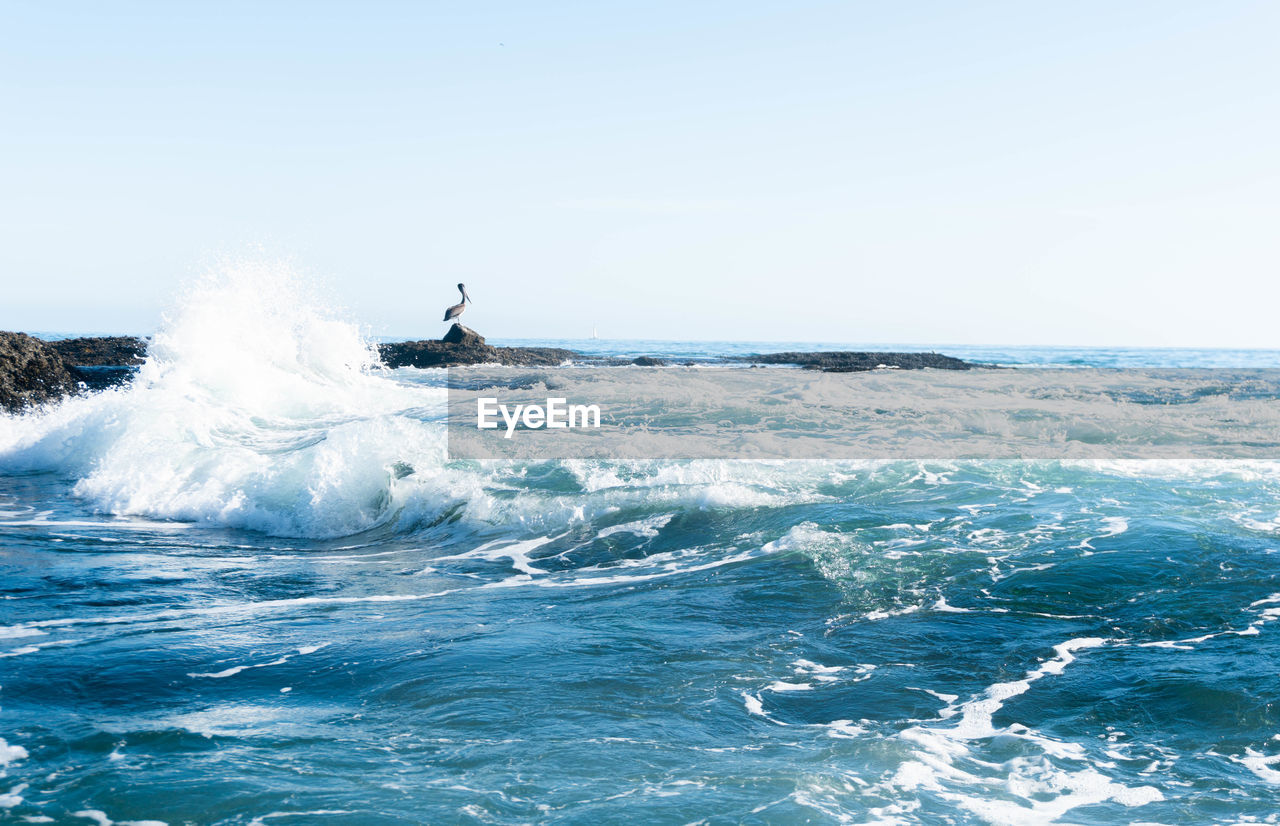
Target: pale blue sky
{"points": [[965, 172]]}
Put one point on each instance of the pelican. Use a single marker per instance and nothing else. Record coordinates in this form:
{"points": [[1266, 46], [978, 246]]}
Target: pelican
{"points": [[456, 310]]}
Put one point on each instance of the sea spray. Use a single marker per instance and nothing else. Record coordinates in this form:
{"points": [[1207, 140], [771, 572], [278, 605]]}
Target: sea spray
{"points": [[256, 408], [257, 338]]}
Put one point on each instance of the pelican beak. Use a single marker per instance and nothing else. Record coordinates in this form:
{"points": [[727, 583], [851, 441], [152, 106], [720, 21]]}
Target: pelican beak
{"points": [[465, 297]]}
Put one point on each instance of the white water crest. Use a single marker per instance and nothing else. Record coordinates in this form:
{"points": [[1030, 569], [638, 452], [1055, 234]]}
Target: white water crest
{"points": [[256, 408], [261, 408]]}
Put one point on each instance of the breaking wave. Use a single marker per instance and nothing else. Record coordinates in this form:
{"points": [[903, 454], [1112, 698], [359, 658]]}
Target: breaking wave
{"points": [[256, 408]]}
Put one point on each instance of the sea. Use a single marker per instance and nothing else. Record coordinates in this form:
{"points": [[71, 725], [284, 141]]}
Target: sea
{"points": [[251, 588]]}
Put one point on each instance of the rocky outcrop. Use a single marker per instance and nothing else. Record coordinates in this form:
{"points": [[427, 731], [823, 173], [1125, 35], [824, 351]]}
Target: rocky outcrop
{"points": [[856, 362], [463, 336], [32, 373], [102, 351], [100, 362], [462, 346]]}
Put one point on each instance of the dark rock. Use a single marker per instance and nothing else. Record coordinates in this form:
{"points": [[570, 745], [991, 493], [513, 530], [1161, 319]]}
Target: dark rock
{"points": [[535, 356], [102, 351], [32, 372], [102, 361], [95, 377], [463, 335], [855, 362], [462, 346]]}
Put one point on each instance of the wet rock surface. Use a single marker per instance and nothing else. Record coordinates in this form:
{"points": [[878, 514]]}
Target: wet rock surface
{"points": [[856, 362], [32, 373], [100, 362], [100, 377], [462, 346], [102, 351]]}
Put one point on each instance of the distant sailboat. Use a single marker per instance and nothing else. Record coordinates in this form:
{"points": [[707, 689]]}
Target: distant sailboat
{"points": [[594, 334]]}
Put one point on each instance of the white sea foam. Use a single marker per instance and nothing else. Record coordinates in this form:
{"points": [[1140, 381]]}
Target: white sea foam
{"points": [[100, 818], [654, 567], [1034, 790], [976, 714], [1116, 525], [517, 552], [846, 729], [11, 632], [112, 524], [879, 614], [13, 797], [1260, 764], [645, 528], [10, 754], [1068, 791], [596, 575], [311, 813], [1265, 616], [755, 706], [825, 673], [226, 720]]}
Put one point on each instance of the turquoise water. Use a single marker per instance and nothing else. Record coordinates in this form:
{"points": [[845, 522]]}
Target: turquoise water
{"points": [[250, 589]]}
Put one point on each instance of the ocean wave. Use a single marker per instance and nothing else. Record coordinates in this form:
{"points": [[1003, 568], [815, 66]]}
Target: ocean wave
{"points": [[256, 409], [259, 408]]}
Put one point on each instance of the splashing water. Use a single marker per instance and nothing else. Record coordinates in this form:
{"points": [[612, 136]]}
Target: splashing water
{"points": [[249, 587], [255, 409]]}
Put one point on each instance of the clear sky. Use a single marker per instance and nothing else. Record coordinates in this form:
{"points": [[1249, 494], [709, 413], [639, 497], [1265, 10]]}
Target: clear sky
{"points": [[962, 172]]}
